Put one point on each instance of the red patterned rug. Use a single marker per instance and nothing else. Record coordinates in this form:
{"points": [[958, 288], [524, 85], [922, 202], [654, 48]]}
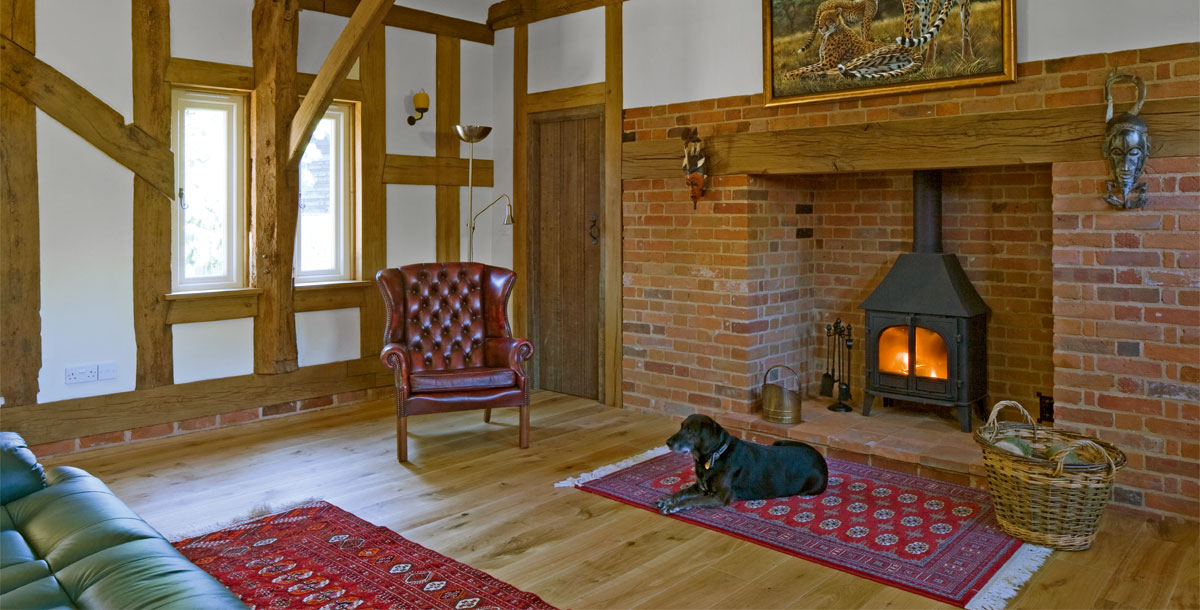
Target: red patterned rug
{"points": [[318, 556], [932, 538]]}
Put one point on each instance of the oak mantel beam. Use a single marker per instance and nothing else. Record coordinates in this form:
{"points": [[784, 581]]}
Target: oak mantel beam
{"points": [[1004, 138], [363, 23]]}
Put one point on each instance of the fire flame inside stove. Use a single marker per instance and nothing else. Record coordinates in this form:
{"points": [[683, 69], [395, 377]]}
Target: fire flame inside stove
{"points": [[930, 350]]}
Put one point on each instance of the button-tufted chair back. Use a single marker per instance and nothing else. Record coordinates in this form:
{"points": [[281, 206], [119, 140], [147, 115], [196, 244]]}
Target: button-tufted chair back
{"points": [[443, 312]]}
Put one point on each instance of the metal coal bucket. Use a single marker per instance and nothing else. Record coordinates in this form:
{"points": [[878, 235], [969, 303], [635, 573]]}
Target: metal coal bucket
{"points": [[780, 405]]}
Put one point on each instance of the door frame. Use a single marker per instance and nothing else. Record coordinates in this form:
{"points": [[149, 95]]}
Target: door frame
{"points": [[530, 245]]}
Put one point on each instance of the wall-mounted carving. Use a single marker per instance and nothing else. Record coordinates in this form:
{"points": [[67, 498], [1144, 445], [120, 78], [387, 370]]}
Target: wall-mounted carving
{"points": [[1126, 146], [695, 166]]}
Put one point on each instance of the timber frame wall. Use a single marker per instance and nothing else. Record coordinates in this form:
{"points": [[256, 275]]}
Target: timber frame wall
{"points": [[143, 147]]}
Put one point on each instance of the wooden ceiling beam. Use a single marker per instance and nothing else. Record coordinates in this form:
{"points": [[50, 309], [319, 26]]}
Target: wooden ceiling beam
{"points": [[1004, 138], [412, 19], [510, 13], [86, 115], [195, 73], [363, 23]]}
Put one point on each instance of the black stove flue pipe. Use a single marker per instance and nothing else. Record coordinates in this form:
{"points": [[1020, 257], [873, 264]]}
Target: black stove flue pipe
{"points": [[927, 211]]}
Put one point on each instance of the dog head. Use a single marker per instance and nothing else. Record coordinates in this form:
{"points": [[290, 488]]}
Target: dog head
{"points": [[698, 435]]}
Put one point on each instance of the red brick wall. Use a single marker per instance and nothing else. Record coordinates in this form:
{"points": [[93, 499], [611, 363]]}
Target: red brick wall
{"points": [[711, 295], [1127, 326]]}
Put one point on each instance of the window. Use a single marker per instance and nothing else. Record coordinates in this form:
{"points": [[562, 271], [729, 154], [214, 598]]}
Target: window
{"points": [[209, 218], [323, 232]]}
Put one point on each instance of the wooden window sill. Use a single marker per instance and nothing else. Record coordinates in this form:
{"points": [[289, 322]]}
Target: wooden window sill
{"points": [[212, 305], [325, 296]]}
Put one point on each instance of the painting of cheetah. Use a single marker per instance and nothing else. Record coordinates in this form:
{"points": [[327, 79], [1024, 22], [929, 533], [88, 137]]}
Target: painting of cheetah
{"points": [[821, 50]]}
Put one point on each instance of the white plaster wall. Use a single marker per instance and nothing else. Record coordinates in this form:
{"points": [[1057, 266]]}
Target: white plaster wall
{"points": [[411, 66], [411, 224], [211, 350], [1062, 28], [318, 32], [685, 50], [502, 145], [327, 336], [86, 232], [89, 42], [210, 30], [568, 51]]}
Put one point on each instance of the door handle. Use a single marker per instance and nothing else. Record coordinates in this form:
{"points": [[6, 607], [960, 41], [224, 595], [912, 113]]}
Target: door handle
{"points": [[593, 230]]}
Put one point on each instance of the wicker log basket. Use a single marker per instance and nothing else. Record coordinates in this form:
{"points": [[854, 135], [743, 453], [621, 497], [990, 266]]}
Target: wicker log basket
{"points": [[1046, 501]]}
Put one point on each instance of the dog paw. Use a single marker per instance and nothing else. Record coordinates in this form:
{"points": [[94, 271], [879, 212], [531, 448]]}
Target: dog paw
{"points": [[663, 504]]}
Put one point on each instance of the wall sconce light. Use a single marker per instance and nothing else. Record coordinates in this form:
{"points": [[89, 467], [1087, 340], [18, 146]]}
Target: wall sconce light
{"points": [[420, 101]]}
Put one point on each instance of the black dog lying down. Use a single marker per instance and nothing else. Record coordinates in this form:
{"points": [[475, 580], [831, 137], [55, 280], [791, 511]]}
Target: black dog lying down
{"points": [[729, 469]]}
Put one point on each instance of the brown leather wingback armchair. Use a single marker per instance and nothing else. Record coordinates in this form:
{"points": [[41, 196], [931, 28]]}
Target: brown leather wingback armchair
{"points": [[449, 343]]}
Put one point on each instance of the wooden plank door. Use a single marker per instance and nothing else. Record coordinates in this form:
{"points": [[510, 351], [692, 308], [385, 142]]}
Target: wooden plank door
{"points": [[566, 197]]}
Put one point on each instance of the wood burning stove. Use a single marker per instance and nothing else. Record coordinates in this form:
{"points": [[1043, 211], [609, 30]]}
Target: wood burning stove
{"points": [[926, 338]]}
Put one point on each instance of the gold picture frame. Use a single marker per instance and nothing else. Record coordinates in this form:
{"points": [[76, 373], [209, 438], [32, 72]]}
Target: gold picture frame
{"points": [[840, 64]]}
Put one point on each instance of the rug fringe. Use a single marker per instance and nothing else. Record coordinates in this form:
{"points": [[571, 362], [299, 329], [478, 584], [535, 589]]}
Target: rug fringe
{"points": [[611, 468], [1012, 576], [191, 530]]}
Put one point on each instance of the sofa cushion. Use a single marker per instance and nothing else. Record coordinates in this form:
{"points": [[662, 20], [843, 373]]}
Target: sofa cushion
{"points": [[20, 472], [454, 380], [44, 594], [145, 574], [18, 575]]}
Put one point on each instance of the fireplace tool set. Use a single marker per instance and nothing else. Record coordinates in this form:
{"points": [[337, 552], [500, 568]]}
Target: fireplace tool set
{"points": [[839, 342]]}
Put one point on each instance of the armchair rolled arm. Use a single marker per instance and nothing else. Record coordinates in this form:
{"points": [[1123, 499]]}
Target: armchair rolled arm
{"points": [[507, 351], [395, 357]]}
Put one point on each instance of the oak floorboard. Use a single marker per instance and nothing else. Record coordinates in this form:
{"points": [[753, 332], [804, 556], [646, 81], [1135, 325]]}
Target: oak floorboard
{"points": [[471, 493]]}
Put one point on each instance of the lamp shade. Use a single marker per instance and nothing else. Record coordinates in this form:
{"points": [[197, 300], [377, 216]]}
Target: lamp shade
{"points": [[472, 133]]}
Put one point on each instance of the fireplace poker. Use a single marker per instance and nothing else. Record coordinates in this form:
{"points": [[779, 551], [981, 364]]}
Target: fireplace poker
{"points": [[827, 378], [844, 388]]}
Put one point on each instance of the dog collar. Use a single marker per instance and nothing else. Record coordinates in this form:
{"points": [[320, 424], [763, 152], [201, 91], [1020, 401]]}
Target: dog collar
{"points": [[713, 458]]}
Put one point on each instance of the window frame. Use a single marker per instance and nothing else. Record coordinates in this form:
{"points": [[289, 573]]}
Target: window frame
{"points": [[346, 267], [237, 233]]}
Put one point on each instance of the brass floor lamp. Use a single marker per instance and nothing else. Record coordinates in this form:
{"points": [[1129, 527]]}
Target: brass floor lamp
{"points": [[472, 134]]}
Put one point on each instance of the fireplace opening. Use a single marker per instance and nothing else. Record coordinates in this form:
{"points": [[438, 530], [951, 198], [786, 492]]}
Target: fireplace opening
{"points": [[926, 337], [926, 348]]}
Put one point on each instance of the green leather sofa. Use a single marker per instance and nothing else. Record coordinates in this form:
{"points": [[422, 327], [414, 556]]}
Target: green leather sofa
{"points": [[67, 542]]}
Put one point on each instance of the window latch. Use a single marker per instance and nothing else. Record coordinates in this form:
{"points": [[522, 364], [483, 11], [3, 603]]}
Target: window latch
{"points": [[182, 205]]}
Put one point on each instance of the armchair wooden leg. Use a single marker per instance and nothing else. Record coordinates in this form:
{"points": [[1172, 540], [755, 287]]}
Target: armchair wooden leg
{"points": [[487, 415], [402, 439], [524, 426]]}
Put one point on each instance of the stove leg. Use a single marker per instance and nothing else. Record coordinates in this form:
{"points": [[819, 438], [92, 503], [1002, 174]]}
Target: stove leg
{"points": [[868, 400], [964, 418]]}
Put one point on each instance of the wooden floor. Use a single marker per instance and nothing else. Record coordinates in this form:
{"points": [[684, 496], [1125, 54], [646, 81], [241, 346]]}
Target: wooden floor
{"points": [[469, 493]]}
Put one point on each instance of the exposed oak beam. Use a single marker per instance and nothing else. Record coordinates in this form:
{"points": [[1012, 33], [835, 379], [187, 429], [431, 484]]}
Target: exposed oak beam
{"points": [[520, 184], [446, 98], [20, 254], [511, 13], [275, 194], [195, 73], [614, 93], [91, 119], [1005, 138], [362, 26], [53, 421], [412, 19], [372, 213], [570, 97], [151, 209], [443, 171]]}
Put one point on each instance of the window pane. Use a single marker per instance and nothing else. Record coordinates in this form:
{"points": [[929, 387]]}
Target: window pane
{"points": [[206, 193], [320, 200]]}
